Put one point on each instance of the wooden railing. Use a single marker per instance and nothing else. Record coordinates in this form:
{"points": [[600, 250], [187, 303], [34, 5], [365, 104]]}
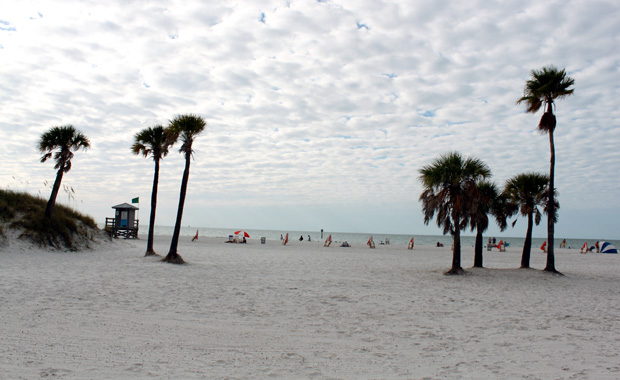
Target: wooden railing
{"points": [[117, 231]]}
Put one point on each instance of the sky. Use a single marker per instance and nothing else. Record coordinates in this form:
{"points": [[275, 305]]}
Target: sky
{"points": [[319, 114]]}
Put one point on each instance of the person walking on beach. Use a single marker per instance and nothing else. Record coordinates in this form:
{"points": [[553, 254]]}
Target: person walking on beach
{"points": [[309, 239]]}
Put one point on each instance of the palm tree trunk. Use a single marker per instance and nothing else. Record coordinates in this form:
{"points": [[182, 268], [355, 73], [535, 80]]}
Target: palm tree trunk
{"points": [[149, 244], [527, 246], [173, 256], [456, 253], [478, 250], [551, 207], [55, 189]]}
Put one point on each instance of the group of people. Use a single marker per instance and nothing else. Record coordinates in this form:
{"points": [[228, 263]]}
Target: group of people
{"points": [[237, 240], [501, 246], [301, 238], [585, 248]]}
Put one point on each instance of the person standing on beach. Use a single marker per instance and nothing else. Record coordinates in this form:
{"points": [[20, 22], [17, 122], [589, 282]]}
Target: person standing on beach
{"points": [[597, 247], [309, 239]]}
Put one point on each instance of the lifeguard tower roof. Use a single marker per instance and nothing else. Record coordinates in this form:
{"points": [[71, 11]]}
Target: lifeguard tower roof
{"points": [[125, 206]]}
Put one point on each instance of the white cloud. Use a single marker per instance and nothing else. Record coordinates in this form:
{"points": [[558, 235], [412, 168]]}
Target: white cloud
{"points": [[319, 106]]}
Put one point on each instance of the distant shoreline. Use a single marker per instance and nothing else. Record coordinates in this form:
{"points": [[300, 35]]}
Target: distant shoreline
{"points": [[355, 237]]}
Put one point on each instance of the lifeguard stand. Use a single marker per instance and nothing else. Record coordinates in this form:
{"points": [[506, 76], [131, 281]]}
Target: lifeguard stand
{"points": [[124, 222]]}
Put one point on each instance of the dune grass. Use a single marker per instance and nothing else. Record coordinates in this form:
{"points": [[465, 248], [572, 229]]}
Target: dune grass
{"points": [[26, 213]]}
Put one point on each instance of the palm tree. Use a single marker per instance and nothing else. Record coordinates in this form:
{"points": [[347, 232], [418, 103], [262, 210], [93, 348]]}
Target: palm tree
{"points": [[449, 185], [546, 85], [488, 201], [60, 142], [154, 141], [528, 192], [185, 127]]}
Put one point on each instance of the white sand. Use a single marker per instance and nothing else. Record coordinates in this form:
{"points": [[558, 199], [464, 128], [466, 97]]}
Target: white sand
{"points": [[303, 311]]}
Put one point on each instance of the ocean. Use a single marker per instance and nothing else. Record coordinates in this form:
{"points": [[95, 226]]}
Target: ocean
{"points": [[362, 238]]}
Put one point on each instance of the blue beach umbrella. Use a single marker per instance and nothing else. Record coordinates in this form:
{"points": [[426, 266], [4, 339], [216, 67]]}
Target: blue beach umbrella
{"points": [[607, 247]]}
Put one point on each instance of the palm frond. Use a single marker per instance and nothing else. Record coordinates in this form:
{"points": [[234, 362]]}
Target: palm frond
{"points": [[187, 127], [546, 85]]}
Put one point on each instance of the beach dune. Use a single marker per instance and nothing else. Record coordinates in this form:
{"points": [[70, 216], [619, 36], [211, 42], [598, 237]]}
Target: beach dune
{"points": [[241, 311]]}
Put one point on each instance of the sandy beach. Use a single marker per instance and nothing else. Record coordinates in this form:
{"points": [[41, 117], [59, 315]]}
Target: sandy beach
{"points": [[301, 311]]}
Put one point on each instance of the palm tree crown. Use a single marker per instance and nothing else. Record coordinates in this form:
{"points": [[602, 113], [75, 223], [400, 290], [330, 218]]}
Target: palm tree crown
{"points": [[186, 128], [527, 192], [546, 85], [62, 140], [446, 182], [154, 141], [486, 204]]}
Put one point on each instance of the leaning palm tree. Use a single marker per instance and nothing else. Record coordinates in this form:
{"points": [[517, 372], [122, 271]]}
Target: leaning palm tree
{"points": [[60, 142], [449, 188], [488, 201], [546, 85], [527, 192], [156, 142], [185, 127]]}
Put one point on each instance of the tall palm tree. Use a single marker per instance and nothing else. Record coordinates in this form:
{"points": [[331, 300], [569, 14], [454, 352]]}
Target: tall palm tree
{"points": [[449, 185], [156, 142], [185, 127], [60, 142], [546, 85], [488, 201], [527, 192]]}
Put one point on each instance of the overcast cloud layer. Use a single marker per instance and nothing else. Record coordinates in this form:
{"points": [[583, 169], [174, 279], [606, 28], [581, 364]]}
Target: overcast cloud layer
{"points": [[319, 113]]}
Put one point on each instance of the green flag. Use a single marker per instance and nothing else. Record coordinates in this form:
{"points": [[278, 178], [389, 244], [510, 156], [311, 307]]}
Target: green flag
{"points": [[136, 200]]}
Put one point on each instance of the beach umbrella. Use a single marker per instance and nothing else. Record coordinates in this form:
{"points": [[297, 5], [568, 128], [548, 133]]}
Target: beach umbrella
{"points": [[247, 235], [607, 247]]}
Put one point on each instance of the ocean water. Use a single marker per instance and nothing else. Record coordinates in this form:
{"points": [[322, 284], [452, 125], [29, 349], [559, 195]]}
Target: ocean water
{"points": [[362, 238]]}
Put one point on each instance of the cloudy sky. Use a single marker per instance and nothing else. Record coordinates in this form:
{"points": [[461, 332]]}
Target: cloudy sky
{"points": [[319, 113]]}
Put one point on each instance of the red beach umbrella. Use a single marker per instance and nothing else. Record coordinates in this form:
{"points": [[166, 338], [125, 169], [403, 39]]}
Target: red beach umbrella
{"points": [[247, 235]]}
